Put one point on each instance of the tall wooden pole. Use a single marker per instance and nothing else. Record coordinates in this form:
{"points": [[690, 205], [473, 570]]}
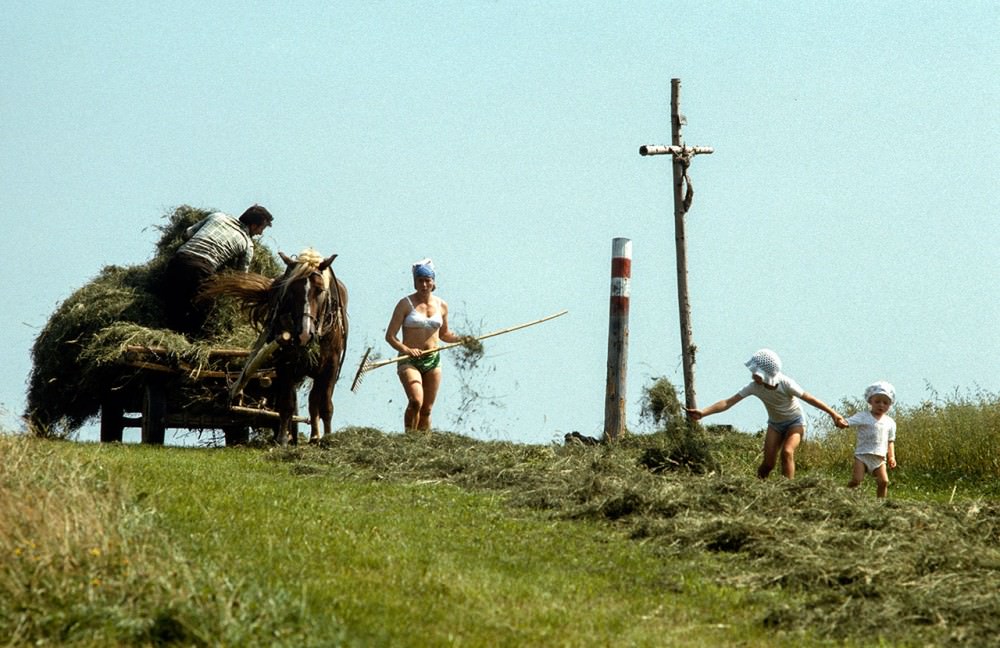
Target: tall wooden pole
{"points": [[683, 302], [683, 195]]}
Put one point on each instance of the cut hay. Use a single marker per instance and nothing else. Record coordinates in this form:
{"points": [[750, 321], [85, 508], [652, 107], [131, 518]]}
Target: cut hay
{"points": [[75, 357], [660, 403], [830, 559], [468, 355]]}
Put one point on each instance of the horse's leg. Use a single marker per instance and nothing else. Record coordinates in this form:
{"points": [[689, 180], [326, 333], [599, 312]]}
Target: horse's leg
{"points": [[314, 414], [291, 427], [321, 407], [285, 403]]}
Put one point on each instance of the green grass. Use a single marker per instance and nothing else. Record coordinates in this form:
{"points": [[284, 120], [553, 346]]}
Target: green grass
{"points": [[946, 447], [374, 539], [252, 551]]}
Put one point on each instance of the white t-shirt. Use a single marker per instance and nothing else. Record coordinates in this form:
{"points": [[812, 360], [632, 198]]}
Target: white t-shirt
{"points": [[782, 403], [874, 434]]}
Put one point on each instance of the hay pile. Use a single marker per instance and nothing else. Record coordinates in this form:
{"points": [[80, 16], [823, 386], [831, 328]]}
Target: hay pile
{"points": [[818, 555], [75, 357]]}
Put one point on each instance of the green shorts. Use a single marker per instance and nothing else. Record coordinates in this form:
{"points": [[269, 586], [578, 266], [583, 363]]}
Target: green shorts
{"points": [[424, 363]]}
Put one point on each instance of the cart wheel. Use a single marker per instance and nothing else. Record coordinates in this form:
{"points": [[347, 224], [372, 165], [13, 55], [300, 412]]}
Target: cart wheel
{"points": [[236, 435], [154, 413], [112, 424]]}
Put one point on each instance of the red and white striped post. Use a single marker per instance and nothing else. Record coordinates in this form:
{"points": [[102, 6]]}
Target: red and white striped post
{"points": [[621, 279]]}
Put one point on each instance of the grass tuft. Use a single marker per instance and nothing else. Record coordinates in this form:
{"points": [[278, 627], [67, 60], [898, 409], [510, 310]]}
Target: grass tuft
{"points": [[86, 564]]}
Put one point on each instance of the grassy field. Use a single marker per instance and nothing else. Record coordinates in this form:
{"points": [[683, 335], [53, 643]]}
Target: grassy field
{"points": [[376, 539]]}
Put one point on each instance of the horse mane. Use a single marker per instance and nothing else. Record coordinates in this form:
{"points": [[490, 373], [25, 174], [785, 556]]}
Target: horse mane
{"points": [[259, 295]]}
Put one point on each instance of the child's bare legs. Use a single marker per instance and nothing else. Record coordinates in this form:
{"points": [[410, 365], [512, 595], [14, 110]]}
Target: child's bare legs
{"points": [[881, 476], [775, 443], [857, 474]]}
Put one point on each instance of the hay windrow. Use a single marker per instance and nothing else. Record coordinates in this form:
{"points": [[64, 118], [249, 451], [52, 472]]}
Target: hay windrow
{"points": [[856, 567], [75, 357]]}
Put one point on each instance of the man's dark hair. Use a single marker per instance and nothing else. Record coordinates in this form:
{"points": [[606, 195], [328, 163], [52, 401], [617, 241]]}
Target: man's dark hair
{"points": [[256, 215]]}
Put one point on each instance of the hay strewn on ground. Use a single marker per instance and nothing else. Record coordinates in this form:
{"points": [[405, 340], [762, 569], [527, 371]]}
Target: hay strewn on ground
{"points": [[75, 357], [913, 573]]}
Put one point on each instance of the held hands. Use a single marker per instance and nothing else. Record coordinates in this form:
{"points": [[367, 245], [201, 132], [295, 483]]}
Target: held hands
{"points": [[840, 421], [694, 414]]}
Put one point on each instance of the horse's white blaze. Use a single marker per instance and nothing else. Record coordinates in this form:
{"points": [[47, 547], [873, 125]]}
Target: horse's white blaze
{"points": [[307, 320]]}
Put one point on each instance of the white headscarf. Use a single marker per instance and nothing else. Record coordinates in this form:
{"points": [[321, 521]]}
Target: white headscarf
{"points": [[880, 387], [766, 364]]}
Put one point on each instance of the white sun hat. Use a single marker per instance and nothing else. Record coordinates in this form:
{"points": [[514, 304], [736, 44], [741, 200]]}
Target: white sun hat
{"points": [[766, 364], [881, 387]]}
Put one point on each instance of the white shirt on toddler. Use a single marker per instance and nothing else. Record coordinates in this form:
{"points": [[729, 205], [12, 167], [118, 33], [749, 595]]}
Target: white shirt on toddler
{"points": [[874, 434]]}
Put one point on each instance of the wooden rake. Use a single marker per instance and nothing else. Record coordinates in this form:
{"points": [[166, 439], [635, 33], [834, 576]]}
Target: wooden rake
{"points": [[367, 364]]}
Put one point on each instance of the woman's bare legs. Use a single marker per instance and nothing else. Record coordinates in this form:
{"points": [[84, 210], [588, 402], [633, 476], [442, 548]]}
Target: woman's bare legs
{"points": [[432, 382], [421, 392], [413, 386]]}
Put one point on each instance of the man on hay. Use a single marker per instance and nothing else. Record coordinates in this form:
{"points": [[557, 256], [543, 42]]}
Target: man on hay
{"points": [[218, 240]]}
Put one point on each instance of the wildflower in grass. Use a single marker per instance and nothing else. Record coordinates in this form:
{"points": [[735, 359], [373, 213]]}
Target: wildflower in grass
{"points": [[876, 438]]}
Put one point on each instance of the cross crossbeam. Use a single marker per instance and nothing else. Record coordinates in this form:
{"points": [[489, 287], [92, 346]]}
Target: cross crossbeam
{"points": [[681, 151]]}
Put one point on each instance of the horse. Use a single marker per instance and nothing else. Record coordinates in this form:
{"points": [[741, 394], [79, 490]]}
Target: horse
{"points": [[302, 317]]}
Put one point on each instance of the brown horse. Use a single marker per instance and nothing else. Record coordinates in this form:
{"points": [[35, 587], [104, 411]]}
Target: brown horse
{"points": [[304, 312]]}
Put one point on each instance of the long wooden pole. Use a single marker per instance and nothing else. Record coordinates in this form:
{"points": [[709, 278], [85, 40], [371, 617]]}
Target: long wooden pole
{"points": [[683, 302], [367, 365]]}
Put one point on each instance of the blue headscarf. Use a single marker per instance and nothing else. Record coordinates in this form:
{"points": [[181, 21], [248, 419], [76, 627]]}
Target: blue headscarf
{"points": [[423, 268]]}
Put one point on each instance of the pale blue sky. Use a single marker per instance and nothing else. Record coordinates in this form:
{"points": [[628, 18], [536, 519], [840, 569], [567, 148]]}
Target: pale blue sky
{"points": [[847, 218]]}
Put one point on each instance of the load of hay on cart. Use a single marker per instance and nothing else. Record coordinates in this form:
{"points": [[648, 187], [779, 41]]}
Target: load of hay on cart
{"points": [[105, 353], [157, 390]]}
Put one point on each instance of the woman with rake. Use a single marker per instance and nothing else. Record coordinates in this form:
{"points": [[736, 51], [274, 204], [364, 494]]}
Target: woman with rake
{"points": [[422, 319]]}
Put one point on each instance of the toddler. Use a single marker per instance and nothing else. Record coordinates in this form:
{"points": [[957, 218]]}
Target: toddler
{"points": [[876, 437]]}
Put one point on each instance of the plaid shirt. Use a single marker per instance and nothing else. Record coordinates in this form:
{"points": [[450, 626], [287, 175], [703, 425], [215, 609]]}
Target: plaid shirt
{"points": [[219, 239]]}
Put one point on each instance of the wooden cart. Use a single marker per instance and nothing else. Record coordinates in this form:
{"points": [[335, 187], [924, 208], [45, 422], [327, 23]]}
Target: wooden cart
{"points": [[157, 391]]}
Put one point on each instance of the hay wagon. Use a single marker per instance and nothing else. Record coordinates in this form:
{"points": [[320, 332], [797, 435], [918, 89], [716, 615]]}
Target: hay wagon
{"points": [[155, 390]]}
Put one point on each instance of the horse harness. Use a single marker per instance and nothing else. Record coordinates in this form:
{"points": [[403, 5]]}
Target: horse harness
{"points": [[331, 314]]}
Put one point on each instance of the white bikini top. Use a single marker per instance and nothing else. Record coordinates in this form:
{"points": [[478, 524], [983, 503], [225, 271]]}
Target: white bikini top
{"points": [[415, 319]]}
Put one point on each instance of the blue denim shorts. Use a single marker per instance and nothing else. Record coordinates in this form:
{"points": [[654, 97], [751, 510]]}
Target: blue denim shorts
{"points": [[784, 426]]}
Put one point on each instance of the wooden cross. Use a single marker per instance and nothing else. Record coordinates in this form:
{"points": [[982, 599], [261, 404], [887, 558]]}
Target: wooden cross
{"points": [[683, 194]]}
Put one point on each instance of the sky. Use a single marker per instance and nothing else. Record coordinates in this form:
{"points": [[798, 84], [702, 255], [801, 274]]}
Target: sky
{"points": [[847, 218]]}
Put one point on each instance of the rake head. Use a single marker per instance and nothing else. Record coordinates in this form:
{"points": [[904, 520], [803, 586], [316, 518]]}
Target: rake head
{"points": [[363, 368]]}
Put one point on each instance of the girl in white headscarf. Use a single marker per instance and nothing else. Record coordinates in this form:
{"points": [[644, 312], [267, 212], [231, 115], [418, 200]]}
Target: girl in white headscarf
{"points": [[786, 423]]}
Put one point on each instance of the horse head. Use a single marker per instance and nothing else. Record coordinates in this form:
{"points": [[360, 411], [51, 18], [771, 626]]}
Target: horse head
{"points": [[303, 299]]}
